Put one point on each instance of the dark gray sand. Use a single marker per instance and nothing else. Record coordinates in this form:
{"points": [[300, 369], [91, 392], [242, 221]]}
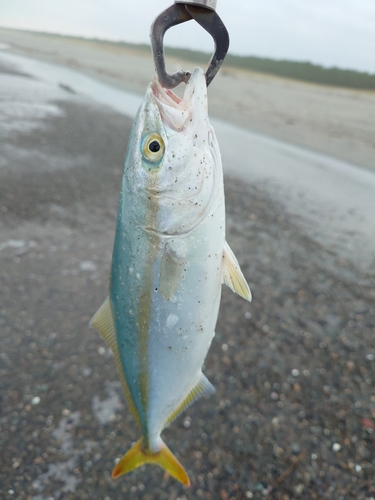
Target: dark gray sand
{"points": [[294, 412]]}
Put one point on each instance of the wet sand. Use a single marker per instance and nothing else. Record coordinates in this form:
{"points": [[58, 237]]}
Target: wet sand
{"points": [[334, 121], [294, 371]]}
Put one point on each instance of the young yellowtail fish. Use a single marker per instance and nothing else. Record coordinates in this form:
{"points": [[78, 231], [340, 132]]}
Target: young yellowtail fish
{"points": [[170, 258]]}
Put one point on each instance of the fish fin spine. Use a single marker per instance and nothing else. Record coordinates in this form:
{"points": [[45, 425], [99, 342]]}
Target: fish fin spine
{"points": [[201, 388], [232, 274], [137, 456], [104, 323]]}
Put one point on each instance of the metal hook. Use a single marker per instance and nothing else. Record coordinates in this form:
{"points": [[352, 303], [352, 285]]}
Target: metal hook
{"points": [[179, 13]]}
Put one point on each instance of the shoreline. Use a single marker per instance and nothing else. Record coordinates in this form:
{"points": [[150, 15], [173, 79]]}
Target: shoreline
{"points": [[333, 200], [330, 120]]}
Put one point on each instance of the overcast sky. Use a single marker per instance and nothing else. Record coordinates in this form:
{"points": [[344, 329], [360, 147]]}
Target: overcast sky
{"points": [[329, 32]]}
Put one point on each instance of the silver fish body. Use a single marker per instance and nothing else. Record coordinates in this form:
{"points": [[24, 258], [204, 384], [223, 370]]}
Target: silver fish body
{"points": [[169, 261]]}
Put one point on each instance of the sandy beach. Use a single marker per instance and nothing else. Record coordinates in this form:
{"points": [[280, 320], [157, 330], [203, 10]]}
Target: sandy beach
{"points": [[294, 412], [335, 121]]}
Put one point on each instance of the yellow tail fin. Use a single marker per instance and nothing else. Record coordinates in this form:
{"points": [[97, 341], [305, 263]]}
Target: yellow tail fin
{"points": [[137, 456]]}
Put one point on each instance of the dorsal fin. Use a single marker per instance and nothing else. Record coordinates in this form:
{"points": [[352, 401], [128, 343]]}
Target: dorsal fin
{"points": [[103, 322], [202, 387], [232, 274]]}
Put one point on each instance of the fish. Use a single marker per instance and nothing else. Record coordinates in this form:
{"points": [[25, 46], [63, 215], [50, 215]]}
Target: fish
{"points": [[170, 258]]}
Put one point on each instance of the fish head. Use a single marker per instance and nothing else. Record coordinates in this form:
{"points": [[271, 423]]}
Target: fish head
{"points": [[174, 164]]}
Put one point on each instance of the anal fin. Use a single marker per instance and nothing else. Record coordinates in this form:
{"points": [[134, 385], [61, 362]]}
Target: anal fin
{"points": [[232, 274], [104, 323], [202, 387]]}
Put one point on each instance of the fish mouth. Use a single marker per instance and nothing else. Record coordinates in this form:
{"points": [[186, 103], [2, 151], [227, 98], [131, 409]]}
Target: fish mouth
{"points": [[175, 112], [165, 96], [171, 109]]}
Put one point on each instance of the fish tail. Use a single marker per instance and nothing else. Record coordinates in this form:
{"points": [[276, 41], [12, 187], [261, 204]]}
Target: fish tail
{"points": [[137, 456]]}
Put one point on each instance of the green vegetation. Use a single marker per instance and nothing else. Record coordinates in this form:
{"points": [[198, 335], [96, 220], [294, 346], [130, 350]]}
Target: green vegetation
{"points": [[305, 71]]}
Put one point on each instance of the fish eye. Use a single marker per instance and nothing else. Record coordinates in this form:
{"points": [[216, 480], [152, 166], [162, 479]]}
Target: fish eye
{"points": [[153, 147]]}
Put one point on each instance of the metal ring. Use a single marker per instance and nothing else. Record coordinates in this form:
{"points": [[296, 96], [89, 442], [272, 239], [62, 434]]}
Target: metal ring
{"points": [[180, 13]]}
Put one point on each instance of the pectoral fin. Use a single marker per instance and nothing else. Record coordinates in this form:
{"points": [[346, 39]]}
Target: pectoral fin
{"points": [[103, 322], [232, 274], [137, 456]]}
